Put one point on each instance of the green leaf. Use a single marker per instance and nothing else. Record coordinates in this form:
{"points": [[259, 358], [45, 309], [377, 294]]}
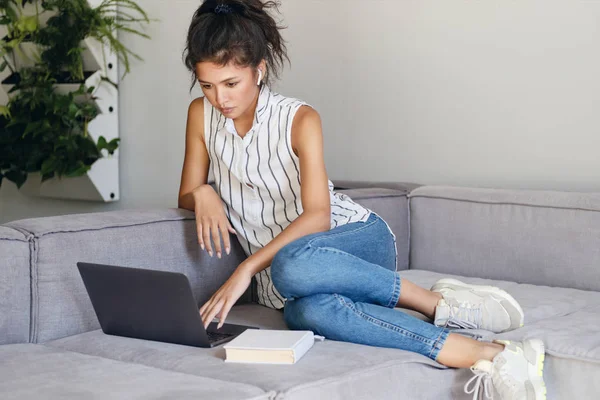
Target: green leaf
{"points": [[31, 127], [5, 111], [102, 143], [30, 23], [81, 170], [113, 145], [49, 166]]}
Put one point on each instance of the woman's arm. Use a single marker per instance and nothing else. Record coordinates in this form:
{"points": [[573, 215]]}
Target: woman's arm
{"points": [[195, 194], [307, 143], [196, 162]]}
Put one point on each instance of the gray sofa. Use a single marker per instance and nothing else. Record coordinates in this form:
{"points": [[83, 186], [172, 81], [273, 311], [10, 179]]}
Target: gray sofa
{"points": [[541, 246]]}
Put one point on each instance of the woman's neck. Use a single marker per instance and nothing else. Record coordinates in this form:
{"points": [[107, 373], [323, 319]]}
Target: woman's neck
{"points": [[244, 122]]}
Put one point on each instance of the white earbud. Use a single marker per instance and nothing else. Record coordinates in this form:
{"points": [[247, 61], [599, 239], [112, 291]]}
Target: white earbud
{"points": [[259, 76]]}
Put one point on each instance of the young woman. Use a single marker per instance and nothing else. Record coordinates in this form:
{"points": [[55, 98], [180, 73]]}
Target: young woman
{"points": [[327, 261]]}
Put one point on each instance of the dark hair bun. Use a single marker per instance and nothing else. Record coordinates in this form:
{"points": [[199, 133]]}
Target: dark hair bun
{"points": [[239, 31]]}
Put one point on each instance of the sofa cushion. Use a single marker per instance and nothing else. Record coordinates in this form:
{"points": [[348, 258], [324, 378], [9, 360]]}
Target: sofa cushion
{"points": [[155, 239], [567, 320], [538, 237], [330, 370], [392, 206], [343, 370], [30, 371], [14, 286]]}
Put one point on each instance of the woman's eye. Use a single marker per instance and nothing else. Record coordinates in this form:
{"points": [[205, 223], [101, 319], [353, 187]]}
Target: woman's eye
{"points": [[232, 84], [206, 87]]}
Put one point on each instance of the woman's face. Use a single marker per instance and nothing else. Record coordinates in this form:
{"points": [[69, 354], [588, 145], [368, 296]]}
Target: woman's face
{"points": [[231, 89]]}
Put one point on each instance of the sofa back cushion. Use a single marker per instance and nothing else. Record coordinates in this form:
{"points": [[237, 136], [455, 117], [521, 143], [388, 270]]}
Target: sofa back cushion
{"points": [[537, 237], [154, 239], [14, 286]]}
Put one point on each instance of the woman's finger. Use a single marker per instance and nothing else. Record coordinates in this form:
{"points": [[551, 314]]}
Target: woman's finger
{"points": [[206, 235], [199, 230], [206, 312], [225, 235], [211, 313], [215, 236], [210, 305], [231, 228], [205, 306], [224, 312]]}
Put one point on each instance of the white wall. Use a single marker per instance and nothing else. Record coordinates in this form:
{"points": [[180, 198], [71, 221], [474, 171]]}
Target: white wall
{"points": [[474, 93]]}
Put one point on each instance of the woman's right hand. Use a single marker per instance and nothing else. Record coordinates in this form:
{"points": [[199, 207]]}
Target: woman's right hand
{"points": [[211, 220]]}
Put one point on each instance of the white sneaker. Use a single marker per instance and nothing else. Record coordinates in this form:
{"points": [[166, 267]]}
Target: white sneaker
{"points": [[516, 373], [476, 307]]}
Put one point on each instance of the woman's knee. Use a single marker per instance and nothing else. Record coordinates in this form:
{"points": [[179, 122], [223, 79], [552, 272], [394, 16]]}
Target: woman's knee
{"points": [[286, 267]]}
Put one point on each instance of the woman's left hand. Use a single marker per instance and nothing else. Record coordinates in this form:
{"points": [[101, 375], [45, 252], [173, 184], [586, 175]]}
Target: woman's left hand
{"points": [[221, 302]]}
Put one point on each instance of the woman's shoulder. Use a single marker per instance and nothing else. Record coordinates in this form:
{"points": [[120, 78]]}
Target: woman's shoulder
{"points": [[195, 124], [197, 107], [286, 102]]}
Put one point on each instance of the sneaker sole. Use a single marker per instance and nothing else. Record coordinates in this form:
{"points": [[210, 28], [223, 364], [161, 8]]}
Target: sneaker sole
{"points": [[536, 371], [458, 285]]}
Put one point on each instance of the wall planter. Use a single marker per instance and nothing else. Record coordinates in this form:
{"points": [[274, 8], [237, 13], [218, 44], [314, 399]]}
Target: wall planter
{"points": [[92, 81], [59, 132], [29, 54]]}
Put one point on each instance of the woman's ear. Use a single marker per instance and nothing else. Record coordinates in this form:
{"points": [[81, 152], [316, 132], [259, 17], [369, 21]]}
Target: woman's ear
{"points": [[260, 75]]}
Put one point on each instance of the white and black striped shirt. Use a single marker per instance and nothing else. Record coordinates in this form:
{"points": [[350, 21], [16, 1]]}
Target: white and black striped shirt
{"points": [[258, 179]]}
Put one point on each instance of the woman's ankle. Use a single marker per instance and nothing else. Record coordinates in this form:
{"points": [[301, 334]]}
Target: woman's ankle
{"points": [[491, 350]]}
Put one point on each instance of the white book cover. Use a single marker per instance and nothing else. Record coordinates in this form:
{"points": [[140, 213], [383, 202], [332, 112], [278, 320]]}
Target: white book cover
{"points": [[297, 342]]}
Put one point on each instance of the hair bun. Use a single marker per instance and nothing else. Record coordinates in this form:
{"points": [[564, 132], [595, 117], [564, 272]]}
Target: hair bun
{"points": [[227, 8]]}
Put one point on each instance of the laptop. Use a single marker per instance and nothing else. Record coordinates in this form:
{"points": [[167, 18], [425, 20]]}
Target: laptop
{"points": [[151, 305]]}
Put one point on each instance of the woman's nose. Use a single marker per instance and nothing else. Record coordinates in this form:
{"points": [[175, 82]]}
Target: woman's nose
{"points": [[221, 98]]}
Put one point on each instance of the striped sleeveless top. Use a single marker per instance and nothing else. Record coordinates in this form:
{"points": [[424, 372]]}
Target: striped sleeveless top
{"points": [[258, 179]]}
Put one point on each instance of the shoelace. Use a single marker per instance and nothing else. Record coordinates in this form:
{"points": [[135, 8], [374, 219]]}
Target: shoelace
{"points": [[480, 378], [464, 315]]}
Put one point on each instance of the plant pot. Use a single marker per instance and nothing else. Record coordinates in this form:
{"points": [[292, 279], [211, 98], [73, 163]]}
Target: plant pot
{"points": [[29, 54], [92, 79], [101, 183]]}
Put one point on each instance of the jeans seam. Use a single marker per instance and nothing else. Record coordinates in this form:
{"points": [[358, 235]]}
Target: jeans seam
{"points": [[395, 291], [384, 324]]}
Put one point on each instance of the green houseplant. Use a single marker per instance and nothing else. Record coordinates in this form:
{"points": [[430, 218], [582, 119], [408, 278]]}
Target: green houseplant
{"points": [[41, 129]]}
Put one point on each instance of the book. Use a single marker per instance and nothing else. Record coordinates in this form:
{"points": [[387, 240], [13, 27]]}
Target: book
{"points": [[264, 346]]}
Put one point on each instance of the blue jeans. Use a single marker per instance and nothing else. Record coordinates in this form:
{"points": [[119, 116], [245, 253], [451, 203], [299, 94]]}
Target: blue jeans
{"points": [[343, 284]]}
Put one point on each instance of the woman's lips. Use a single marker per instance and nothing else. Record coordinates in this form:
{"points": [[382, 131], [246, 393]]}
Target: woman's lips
{"points": [[227, 110]]}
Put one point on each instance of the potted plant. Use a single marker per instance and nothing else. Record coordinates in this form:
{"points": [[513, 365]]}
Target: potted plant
{"points": [[44, 126]]}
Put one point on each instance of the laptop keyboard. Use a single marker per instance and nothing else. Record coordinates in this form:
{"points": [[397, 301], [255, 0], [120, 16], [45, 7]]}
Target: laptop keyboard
{"points": [[215, 336]]}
